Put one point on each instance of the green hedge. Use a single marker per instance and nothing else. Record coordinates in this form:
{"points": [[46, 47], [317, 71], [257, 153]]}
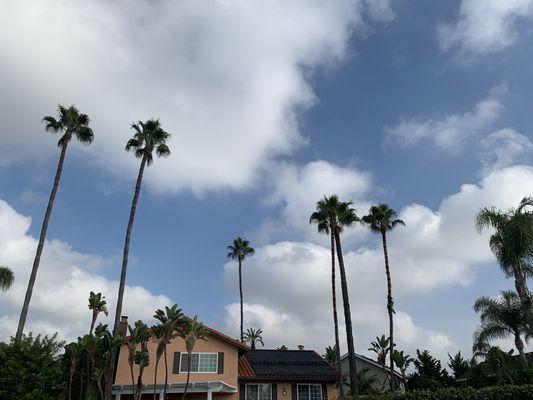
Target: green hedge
{"points": [[505, 392]]}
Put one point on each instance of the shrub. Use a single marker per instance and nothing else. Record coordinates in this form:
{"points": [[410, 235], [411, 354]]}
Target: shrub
{"points": [[504, 392]]}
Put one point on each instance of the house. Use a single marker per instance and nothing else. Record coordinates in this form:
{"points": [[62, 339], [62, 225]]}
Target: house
{"points": [[372, 368], [223, 368]]}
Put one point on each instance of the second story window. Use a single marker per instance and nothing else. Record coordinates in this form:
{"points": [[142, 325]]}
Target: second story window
{"points": [[200, 362]]}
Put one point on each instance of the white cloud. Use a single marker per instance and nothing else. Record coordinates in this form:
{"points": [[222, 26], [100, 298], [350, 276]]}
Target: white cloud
{"points": [[298, 188], [486, 26], [64, 280], [450, 132], [287, 284], [227, 78], [504, 148]]}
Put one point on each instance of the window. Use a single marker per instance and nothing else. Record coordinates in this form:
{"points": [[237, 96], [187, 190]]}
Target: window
{"points": [[259, 391], [310, 392], [200, 362]]}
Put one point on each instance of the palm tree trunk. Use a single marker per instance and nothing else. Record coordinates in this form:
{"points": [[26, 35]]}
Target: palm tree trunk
{"points": [[123, 271], [132, 381], [92, 323], [335, 318], [188, 377], [520, 347], [155, 375], [166, 373], [140, 383], [524, 295], [390, 309], [240, 291], [42, 237], [70, 385], [347, 318]]}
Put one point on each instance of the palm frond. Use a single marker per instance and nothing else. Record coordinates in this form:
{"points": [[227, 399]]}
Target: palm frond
{"points": [[7, 277]]}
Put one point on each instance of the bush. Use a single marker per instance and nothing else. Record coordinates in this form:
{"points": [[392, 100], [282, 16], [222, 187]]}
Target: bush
{"points": [[504, 392]]}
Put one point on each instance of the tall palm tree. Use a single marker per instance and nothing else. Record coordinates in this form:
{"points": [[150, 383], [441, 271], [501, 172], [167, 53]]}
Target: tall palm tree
{"points": [[191, 331], [380, 346], [382, 219], [512, 244], [239, 251], [334, 215], [171, 320], [501, 317], [325, 218], [254, 336], [97, 304], [148, 138], [70, 123], [158, 331], [7, 277]]}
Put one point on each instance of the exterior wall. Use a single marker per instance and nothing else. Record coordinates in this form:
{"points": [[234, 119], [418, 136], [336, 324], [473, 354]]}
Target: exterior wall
{"points": [[381, 377], [212, 345]]}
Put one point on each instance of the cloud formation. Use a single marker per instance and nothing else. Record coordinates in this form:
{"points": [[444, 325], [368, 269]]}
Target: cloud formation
{"points": [[504, 148], [485, 27]]}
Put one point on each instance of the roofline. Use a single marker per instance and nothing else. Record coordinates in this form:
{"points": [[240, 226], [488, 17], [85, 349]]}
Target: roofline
{"points": [[289, 378], [228, 339], [374, 363]]}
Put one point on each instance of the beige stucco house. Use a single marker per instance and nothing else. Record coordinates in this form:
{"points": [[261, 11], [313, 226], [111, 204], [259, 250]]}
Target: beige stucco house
{"points": [[223, 368]]}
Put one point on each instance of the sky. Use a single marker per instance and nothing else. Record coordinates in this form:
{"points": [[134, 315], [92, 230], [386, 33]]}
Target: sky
{"points": [[271, 106]]}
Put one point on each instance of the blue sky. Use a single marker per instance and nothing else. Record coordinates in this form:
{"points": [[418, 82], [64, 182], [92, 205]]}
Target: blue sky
{"points": [[270, 107]]}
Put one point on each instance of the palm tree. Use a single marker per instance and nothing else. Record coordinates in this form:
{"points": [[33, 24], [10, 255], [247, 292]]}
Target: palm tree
{"points": [[73, 352], [333, 216], [325, 219], [171, 319], [142, 357], [148, 138], [512, 244], [158, 331], [253, 336], [97, 304], [402, 361], [282, 348], [191, 331], [500, 318], [7, 277], [381, 219], [331, 355], [380, 346], [239, 251], [132, 343], [70, 123]]}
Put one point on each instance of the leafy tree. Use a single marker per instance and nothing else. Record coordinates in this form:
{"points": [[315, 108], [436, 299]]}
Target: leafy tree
{"points": [[381, 346], [7, 277], [458, 364], [239, 250], [332, 216], [367, 382], [97, 304], [148, 138], [170, 321], [500, 318], [191, 331], [512, 244], [31, 368], [429, 372], [382, 219], [73, 353], [331, 355], [253, 336], [70, 123], [402, 361]]}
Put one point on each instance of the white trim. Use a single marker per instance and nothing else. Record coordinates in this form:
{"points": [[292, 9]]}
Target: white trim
{"points": [[256, 384], [198, 372], [309, 384]]}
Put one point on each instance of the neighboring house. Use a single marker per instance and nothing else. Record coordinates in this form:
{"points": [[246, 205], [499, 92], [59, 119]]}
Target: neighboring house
{"points": [[226, 369], [374, 369]]}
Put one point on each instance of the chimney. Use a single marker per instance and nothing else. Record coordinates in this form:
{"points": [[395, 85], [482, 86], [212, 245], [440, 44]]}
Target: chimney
{"points": [[123, 326], [300, 347]]}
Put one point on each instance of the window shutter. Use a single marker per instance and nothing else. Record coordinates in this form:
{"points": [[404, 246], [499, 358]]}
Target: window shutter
{"points": [[220, 369], [242, 391], [176, 364], [324, 391], [294, 390], [274, 391]]}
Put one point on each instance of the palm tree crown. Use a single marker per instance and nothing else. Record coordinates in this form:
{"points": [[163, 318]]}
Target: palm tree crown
{"points": [[7, 277], [240, 249], [381, 218], [149, 136], [71, 123], [97, 304], [333, 215], [254, 336]]}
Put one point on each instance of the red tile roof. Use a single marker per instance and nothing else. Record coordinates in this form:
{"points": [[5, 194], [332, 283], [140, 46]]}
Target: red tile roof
{"points": [[245, 368]]}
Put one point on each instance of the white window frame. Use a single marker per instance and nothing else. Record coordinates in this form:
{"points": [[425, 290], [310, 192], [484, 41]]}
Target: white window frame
{"points": [[309, 385], [256, 384], [197, 372]]}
